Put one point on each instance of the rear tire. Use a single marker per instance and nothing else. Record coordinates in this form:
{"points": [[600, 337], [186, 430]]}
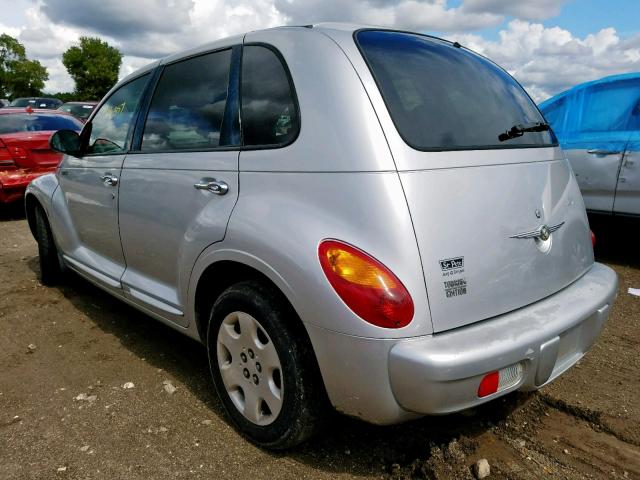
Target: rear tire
{"points": [[50, 269], [279, 402]]}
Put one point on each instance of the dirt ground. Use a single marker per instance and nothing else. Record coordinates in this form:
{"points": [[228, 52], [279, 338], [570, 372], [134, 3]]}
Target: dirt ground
{"points": [[67, 352]]}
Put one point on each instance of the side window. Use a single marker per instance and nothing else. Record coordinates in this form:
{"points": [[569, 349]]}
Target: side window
{"points": [[111, 126], [611, 107], [269, 115], [188, 105]]}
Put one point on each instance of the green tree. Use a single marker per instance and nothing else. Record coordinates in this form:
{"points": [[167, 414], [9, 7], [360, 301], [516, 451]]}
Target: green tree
{"points": [[94, 66], [19, 76], [65, 96]]}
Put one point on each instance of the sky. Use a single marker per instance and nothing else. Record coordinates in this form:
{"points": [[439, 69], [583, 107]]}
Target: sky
{"points": [[548, 45]]}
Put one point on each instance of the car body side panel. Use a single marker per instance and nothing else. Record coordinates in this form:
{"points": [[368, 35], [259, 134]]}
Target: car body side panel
{"points": [[165, 223], [597, 176], [281, 218], [91, 207], [628, 192]]}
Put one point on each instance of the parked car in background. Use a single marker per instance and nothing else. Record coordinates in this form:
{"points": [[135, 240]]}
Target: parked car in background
{"points": [[36, 102], [24, 147], [80, 110], [598, 126], [4, 102], [352, 214]]}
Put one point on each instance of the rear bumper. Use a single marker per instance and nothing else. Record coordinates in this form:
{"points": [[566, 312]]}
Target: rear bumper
{"points": [[13, 183], [388, 381], [441, 373]]}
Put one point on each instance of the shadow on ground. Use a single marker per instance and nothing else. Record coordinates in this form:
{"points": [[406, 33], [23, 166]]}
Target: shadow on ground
{"points": [[346, 445], [617, 239], [12, 211]]}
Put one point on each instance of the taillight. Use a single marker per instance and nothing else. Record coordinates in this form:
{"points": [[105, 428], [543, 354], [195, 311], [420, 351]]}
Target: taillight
{"points": [[368, 288], [19, 153], [6, 159], [593, 239]]}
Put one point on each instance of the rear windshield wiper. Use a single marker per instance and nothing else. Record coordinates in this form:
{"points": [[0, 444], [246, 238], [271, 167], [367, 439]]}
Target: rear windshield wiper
{"points": [[519, 130]]}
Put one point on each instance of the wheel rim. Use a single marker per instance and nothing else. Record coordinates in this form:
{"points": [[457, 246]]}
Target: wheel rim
{"points": [[250, 368]]}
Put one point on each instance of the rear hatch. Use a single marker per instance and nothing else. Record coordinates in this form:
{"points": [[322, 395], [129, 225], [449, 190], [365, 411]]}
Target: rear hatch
{"points": [[30, 150], [499, 220]]}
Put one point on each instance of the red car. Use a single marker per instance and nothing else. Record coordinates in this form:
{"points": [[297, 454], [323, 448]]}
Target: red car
{"points": [[24, 147]]}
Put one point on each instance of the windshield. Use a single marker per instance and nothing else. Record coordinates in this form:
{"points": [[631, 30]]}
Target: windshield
{"points": [[24, 122], [80, 110], [442, 97]]}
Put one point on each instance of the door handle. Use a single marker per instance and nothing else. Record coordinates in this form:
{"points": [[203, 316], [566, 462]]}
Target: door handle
{"points": [[212, 185], [109, 179], [603, 153]]}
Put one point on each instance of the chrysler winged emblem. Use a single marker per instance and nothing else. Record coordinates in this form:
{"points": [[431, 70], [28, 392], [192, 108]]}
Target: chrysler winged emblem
{"points": [[543, 232]]}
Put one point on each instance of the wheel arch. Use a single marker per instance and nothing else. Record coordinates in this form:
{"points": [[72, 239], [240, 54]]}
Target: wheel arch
{"points": [[30, 205], [215, 279], [39, 193], [220, 274]]}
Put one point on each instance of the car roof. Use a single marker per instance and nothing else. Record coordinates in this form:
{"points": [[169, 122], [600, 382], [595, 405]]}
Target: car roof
{"points": [[581, 86], [90, 102], [37, 98], [226, 41]]}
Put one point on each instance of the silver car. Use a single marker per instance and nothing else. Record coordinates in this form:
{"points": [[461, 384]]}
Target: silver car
{"points": [[373, 220]]}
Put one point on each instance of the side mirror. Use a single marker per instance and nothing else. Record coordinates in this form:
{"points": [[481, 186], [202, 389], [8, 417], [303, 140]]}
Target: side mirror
{"points": [[66, 141]]}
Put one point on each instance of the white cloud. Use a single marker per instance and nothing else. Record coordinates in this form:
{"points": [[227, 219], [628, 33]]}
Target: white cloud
{"points": [[120, 18], [545, 60], [418, 15], [524, 10], [549, 60]]}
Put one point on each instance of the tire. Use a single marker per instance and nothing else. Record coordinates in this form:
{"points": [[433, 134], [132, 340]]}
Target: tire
{"points": [[50, 269], [248, 323]]}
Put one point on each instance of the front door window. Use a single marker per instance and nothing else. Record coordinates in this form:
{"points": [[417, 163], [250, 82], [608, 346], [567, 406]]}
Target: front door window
{"points": [[111, 127]]}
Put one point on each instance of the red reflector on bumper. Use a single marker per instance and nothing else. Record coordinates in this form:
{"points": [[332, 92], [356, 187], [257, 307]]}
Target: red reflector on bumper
{"points": [[489, 384]]}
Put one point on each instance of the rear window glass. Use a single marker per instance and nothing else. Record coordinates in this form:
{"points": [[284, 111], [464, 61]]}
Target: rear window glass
{"points": [[36, 102], [441, 97], [24, 122], [269, 114]]}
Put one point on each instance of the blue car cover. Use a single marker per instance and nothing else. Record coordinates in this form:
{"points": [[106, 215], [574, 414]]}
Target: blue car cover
{"points": [[603, 114]]}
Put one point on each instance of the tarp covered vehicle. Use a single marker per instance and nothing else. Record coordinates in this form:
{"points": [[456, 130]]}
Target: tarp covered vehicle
{"points": [[598, 126]]}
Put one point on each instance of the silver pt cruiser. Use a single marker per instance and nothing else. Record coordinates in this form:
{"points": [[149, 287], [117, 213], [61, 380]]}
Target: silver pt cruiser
{"points": [[376, 220]]}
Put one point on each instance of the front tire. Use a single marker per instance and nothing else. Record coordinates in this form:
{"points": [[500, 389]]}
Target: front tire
{"points": [[50, 270], [263, 368]]}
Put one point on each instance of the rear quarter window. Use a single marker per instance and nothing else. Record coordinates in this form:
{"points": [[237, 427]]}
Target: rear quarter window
{"points": [[269, 111], [442, 97]]}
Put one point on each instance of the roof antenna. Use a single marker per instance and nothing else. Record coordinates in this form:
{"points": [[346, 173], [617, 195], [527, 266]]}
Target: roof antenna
{"points": [[457, 45]]}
